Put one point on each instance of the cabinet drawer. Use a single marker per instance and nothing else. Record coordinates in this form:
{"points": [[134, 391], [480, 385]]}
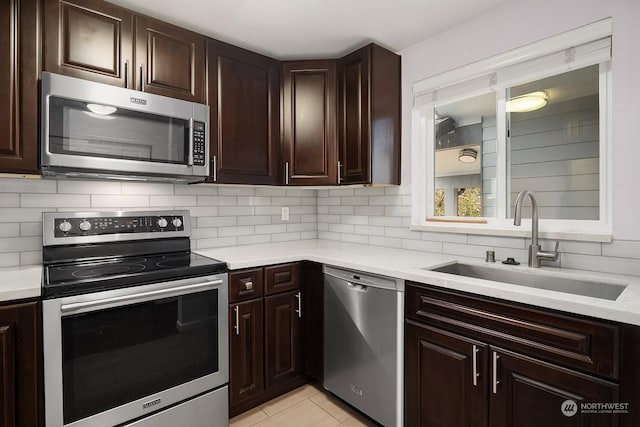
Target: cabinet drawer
{"points": [[574, 341], [245, 284], [282, 277]]}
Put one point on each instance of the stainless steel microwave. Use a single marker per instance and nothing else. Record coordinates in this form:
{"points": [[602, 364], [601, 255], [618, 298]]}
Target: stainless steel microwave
{"points": [[94, 130]]}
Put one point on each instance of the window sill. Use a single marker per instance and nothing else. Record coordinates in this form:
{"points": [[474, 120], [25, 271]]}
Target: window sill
{"points": [[513, 231]]}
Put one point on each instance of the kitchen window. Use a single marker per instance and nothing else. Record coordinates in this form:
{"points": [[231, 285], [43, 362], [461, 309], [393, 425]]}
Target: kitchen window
{"points": [[535, 118]]}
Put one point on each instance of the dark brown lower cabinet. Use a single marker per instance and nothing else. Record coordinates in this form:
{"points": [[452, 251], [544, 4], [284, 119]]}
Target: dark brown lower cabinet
{"points": [[446, 379], [283, 346], [265, 334], [246, 350], [531, 393], [20, 365], [477, 361]]}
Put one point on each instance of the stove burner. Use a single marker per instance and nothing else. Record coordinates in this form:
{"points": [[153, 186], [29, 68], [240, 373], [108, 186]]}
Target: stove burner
{"points": [[105, 270], [180, 260]]}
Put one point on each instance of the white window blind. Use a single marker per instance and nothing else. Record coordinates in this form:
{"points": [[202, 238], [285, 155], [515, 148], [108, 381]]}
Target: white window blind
{"points": [[568, 52]]}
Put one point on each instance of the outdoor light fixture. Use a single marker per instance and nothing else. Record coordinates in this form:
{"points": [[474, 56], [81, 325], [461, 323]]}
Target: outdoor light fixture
{"points": [[467, 155], [529, 102]]}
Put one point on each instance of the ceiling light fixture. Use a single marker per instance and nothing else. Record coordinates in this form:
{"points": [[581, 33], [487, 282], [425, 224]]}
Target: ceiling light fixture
{"points": [[467, 155], [104, 110], [528, 102]]}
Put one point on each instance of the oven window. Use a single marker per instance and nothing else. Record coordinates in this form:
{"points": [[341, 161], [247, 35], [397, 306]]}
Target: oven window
{"points": [[85, 129], [114, 356]]}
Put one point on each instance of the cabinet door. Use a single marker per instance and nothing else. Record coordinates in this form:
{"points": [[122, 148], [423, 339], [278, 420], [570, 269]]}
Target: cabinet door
{"points": [[445, 378], [246, 351], [354, 117], [19, 72], [312, 286], [526, 392], [283, 350], [309, 123], [244, 97], [20, 365], [169, 60], [89, 39]]}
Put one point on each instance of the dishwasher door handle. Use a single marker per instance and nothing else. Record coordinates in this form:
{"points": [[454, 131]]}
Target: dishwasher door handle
{"points": [[357, 287]]}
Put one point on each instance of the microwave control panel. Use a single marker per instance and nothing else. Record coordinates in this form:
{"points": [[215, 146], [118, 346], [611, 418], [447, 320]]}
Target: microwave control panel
{"points": [[198, 144]]}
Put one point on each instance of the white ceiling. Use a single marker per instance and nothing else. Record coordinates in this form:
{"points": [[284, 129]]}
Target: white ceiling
{"points": [[298, 29]]}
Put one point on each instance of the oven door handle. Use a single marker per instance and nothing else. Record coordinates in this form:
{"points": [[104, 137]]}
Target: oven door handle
{"points": [[138, 297]]}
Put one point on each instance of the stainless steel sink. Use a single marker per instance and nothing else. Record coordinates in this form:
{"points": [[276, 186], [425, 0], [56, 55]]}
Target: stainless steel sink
{"points": [[602, 290]]}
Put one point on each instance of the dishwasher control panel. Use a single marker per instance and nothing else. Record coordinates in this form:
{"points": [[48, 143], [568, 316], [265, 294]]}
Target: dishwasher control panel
{"points": [[365, 279]]}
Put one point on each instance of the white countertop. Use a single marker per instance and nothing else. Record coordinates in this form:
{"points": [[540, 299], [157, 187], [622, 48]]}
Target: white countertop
{"points": [[409, 265], [20, 282]]}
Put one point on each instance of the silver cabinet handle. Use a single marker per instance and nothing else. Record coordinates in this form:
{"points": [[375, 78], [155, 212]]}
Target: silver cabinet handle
{"points": [[299, 310], [236, 310], [248, 285], [495, 372], [142, 77], [215, 169], [286, 173], [339, 166], [475, 365]]}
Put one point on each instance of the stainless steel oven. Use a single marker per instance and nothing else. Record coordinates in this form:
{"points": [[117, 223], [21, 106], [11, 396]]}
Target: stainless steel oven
{"points": [[91, 129], [138, 337]]}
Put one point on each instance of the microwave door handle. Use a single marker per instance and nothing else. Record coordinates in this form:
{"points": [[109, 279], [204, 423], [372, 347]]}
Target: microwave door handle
{"points": [[190, 155]]}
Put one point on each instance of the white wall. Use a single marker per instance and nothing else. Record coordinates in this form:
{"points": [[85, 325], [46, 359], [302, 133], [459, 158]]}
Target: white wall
{"points": [[525, 21]]}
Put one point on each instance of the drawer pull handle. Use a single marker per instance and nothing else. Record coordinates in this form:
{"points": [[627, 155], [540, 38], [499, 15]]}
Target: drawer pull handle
{"points": [[475, 365], [248, 285], [495, 372], [299, 310], [236, 310]]}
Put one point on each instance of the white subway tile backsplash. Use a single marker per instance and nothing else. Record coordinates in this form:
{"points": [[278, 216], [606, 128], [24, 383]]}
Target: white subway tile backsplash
{"points": [[10, 185], [341, 210], [27, 229], [10, 259], [12, 229], [241, 230], [285, 237], [55, 200], [254, 240], [234, 215], [119, 201], [10, 200], [146, 188], [236, 191], [167, 201], [254, 220], [89, 187], [236, 210], [622, 249], [270, 229]]}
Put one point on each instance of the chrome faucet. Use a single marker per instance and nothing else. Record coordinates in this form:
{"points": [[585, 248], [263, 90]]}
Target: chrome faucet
{"points": [[536, 254]]}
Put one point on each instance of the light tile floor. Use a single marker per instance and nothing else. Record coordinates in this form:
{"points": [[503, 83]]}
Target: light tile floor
{"points": [[307, 406]]}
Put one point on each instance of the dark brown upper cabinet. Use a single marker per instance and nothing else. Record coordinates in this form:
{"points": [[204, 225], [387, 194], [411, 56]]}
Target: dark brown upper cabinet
{"points": [[309, 123], [19, 73], [169, 60], [244, 100], [89, 39], [369, 116], [95, 40]]}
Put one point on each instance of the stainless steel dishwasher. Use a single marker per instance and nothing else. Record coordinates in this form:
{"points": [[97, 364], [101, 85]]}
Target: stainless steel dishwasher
{"points": [[363, 342]]}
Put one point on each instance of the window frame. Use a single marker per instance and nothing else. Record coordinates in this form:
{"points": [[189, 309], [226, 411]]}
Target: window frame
{"points": [[423, 139]]}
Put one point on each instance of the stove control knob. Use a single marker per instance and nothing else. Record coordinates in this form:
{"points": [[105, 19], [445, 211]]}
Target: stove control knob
{"points": [[177, 222], [162, 222], [64, 226], [85, 225]]}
